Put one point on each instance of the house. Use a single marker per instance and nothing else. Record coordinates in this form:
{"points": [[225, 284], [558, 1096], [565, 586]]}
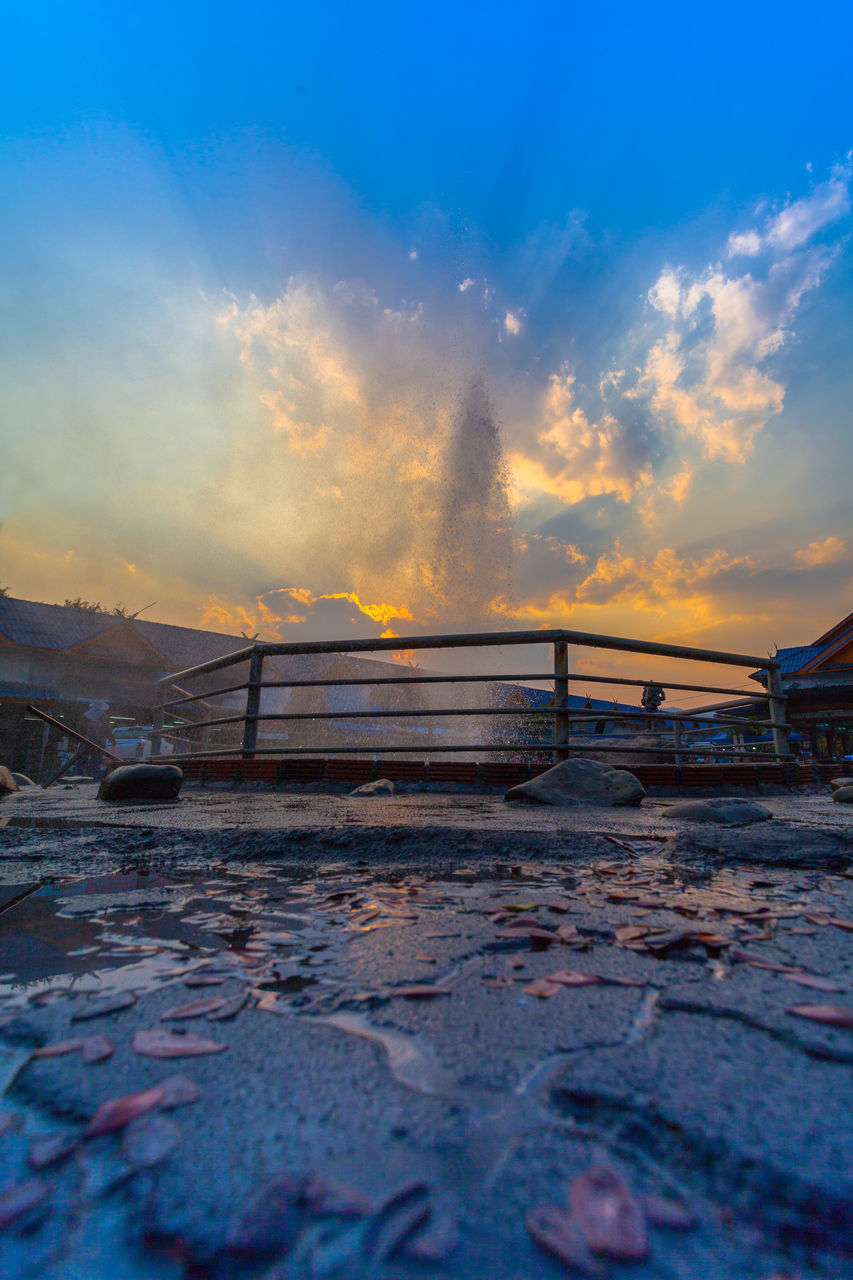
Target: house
{"points": [[817, 679]]}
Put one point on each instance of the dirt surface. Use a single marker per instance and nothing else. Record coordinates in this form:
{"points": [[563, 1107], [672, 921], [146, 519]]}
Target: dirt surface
{"points": [[406, 1065]]}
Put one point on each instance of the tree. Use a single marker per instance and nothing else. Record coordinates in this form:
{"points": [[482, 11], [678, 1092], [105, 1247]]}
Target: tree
{"points": [[88, 606], [4, 591]]}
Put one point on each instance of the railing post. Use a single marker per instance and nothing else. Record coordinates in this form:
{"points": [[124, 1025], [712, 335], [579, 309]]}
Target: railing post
{"points": [[561, 701], [676, 733], [253, 704], [157, 720], [781, 745]]}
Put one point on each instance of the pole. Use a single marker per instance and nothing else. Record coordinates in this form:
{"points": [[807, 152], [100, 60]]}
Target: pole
{"points": [[561, 701], [253, 704], [72, 733], [781, 745], [677, 736]]}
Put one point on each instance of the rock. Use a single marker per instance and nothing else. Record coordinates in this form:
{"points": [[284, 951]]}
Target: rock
{"points": [[838, 783], [580, 781], [381, 787], [142, 782], [844, 795], [23, 781], [7, 780], [730, 812]]}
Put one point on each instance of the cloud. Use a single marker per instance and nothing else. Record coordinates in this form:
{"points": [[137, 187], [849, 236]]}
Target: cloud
{"points": [[572, 457], [465, 284], [708, 374], [827, 551], [512, 323]]}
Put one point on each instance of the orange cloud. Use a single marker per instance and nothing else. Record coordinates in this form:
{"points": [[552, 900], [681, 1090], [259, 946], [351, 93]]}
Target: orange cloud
{"points": [[829, 551]]}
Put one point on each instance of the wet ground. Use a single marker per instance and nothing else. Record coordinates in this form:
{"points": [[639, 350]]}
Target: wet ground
{"points": [[354, 1038]]}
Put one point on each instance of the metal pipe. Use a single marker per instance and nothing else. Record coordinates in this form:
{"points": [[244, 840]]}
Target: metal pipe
{"points": [[42, 715], [424, 749]]}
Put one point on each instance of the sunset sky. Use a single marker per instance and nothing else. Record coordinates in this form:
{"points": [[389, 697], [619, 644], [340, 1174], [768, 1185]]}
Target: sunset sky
{"points": [[343, 320]]}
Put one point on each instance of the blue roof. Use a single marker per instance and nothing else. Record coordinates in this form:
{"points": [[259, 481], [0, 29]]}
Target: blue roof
{"points": [[791, 660]]}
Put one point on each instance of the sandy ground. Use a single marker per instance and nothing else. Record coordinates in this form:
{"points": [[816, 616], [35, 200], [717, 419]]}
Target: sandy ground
{"points": [[376, 963]]}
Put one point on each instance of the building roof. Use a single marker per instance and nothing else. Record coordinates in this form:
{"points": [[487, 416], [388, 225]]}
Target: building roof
{"points": [[817, 656]]}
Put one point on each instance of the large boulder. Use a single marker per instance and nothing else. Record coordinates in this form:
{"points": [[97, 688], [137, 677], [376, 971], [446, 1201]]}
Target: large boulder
{"points": [[731, 812], [838, 783], [142, 782], [7, 781], [843, 795], [580, 781]]}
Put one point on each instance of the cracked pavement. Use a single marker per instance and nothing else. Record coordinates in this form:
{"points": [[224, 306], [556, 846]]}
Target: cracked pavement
{"points": [[374, 963]]}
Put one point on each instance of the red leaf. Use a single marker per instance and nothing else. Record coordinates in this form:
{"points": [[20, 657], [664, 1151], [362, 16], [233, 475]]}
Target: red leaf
{"points": [[120, 1111], [609, 1216], [573, 978], [97, 1048], [230, 1008], [542, 988], [832, 1015], [814, 980], [629, 932], [57, 1049], [841, 924], [557, 1232], [165, 1044], [194, 1009]]}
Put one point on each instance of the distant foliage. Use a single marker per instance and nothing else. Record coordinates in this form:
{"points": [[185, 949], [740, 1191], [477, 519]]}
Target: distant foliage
{"points": [[4, 591], [89, 606]]}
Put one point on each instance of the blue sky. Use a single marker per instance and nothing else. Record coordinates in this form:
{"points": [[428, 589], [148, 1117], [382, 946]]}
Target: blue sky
{"points": [[257, 256]]}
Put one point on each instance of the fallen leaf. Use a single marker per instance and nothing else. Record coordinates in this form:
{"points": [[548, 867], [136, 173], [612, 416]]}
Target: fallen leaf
{"points": [[418, 991], [661, 1212], [268, 1222], [177, 1091], [398, 1218], [527, 931], [813, 980], [97, 1048], [542, 988], [118, 1112], [558, 904], [816, 917], [21, 1200], [569, 936], [572, 978], [108, 1004], [435, 1242], [204, 980], [47, 1151], [229, 1008], [149, 1140], [166, 1044], [621, 982], [323, 1197], [841, 924], [426, 959], [757, 961], [194, 1009], [630, 932], [499, 982], [610, 1218], [59, 1048], [832, 1015], [558, 1233]]}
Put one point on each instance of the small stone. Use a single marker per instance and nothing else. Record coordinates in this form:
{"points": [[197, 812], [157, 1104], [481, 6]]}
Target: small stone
{"points": [[580, 781], [730, 812], [843, 795], [381, 787]]}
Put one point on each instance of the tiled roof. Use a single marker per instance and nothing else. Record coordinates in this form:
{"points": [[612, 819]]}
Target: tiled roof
{"points": [[791, 660]]}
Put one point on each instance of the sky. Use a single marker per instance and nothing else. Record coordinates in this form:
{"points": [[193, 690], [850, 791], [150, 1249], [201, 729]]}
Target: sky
{"points": [[382, 319]]}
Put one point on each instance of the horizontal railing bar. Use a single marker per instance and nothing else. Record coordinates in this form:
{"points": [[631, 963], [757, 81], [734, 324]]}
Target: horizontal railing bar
{"points": [[491, 678], [198, 697], [318, 752], [574, 717], [477, 640]]}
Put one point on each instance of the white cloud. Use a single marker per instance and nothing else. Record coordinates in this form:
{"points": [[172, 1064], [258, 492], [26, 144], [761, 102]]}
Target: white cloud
{"points": [[799, 221], [465, 284], [512, 322], [746, 244]]}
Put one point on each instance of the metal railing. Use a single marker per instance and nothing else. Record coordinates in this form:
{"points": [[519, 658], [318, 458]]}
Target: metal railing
{"points": [[558, 713]]}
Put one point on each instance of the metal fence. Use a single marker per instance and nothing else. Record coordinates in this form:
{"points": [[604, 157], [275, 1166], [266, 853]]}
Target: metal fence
{"points": [[557, 716]]}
